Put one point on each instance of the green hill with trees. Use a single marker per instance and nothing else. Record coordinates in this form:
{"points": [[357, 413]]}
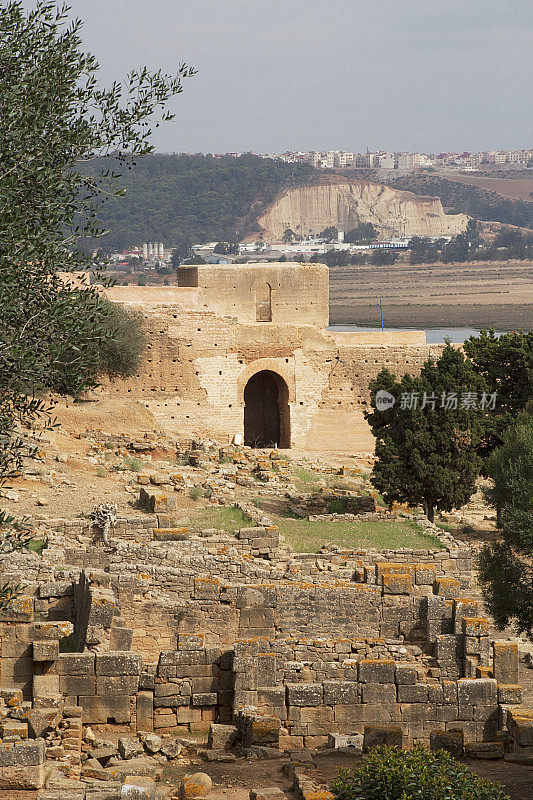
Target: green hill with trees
{"points": [[172, 198]]}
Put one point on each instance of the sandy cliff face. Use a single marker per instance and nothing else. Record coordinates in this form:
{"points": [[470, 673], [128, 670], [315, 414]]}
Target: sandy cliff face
{"points": [[310, 209]]}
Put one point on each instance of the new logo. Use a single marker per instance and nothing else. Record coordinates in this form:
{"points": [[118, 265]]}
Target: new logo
{"points": [[384, 400]]}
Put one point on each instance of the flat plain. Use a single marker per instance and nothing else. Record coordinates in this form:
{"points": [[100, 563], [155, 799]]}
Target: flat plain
{"points": [[496, 294]]}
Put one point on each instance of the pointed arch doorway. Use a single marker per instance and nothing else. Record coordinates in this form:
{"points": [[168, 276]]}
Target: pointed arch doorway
{"points": [[266, 411]]}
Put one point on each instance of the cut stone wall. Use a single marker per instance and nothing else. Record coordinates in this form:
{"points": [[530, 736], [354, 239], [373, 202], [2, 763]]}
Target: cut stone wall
{"points": [[204, 344]]}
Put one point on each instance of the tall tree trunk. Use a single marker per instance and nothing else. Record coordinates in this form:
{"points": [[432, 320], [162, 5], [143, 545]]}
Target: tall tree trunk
{"points": [[498, 516], [430, 511]]}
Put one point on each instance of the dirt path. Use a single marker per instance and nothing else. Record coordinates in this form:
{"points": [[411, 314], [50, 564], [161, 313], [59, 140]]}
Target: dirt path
{"points": [[233, 781]]}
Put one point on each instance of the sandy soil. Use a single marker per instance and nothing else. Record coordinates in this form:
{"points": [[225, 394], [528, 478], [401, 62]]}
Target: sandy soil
{"points": [[494, 294], [76, 483]]}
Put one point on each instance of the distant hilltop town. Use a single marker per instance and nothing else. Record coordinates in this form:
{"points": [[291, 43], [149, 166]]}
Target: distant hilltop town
{"points": [[399, 161]]}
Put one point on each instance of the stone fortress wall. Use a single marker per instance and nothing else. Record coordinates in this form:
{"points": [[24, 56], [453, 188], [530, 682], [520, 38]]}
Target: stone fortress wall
{"points": [[222, 325]]}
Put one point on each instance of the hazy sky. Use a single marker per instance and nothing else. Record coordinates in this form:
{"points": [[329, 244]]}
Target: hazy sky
{"points": [[428, 75]]}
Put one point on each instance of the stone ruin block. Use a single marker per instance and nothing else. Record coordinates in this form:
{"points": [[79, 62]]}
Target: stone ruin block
{"points": [[338, 741], [340, 693], [464, 608], [42, 720], [56, 589], [304, 694], [22, 765], [19, 609], [14, 727], [204, 699], [397, 583], [46, 650], [382, 735], [476, 645], [114, 663], [156, 502], [170, 534], [449, 588], [206, 588], [520, 726], [505, 667], [191, 641], [266, 669], [484, 750], [406, 674], [116, 685], [272, 700], [379, 693], [414, 693], [425, 574], [138, 787], [144, 711], [439, 617], [221, 737], [76, 664], [51, 630], [509, 693], [258, 729], [452, 741], [449, 652], [99, 710], [73, 685], [390, 568], [374, 670], [45, 685], [478, 692]]}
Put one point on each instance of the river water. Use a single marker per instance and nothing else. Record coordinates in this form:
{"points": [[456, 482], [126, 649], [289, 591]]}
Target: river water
{"points": [[433, 335]]}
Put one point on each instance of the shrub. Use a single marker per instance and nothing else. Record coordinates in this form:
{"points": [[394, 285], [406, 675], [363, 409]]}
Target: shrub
{"points": [[195, 492], [391, 774], [337, 505], [121, 350], [101, 472], [134, 464]]}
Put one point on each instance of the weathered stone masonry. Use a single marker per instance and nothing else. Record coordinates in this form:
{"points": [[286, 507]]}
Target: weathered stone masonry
{"points": [[250, 639], [209, 336]]}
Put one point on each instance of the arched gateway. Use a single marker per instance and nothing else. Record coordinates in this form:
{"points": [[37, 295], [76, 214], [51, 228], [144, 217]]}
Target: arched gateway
{"points": [[266, 411]]}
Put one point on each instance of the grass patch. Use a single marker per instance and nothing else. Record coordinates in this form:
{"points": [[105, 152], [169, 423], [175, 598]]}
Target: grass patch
{"points": [[308, 537], [133, 464], [445, 526], [307, 480], [37, 545], [221, 519], [348, 484]]}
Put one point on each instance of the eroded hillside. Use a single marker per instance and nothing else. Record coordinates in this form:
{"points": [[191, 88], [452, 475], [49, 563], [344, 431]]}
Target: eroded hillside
{"points": [[310, 209]]}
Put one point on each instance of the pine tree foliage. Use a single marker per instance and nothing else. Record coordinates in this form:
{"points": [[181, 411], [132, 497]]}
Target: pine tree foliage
{"points": [[506, 567], [426, 453]]}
